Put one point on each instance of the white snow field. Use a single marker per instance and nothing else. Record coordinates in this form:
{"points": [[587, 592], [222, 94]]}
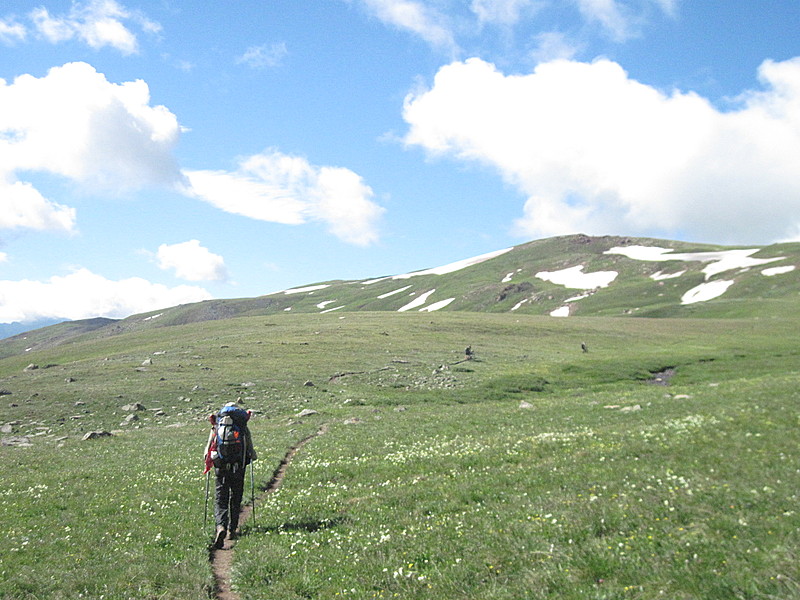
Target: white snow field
{"points": [[772, 271], [719, 262], [417, 302], [575, 278], [706, 291], [451, 268], [302, 290], [436, 305]]}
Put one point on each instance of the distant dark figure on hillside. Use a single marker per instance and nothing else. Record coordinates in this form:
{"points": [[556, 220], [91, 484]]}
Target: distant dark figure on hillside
{"points": [[229, 450], [584, 347], [468, 353]]}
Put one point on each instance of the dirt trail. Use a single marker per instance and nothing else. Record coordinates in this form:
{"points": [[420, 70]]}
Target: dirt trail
{"points": [[222, 558]]}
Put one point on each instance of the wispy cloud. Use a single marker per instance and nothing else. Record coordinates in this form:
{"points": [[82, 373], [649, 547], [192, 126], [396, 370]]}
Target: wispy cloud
{"points": [[504, 12], [98, 23], [594, 150], [452, 26], [611, 15], [264, 56], [416, 17], [553, 45], [12, 31], [287, 189]]}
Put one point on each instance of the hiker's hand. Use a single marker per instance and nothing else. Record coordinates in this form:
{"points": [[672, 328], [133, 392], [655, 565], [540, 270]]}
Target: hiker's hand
{"points": [[254, 456]]}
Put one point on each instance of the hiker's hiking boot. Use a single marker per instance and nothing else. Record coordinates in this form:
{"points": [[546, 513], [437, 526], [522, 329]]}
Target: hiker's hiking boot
{"points": [[219, 538], [233, 535]]}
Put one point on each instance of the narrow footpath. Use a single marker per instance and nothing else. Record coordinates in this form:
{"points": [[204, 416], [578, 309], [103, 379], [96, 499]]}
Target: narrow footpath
{"points": [[222, 558]]}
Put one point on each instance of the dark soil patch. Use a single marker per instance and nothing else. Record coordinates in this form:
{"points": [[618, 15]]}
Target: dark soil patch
{"points": [[663, 377]]}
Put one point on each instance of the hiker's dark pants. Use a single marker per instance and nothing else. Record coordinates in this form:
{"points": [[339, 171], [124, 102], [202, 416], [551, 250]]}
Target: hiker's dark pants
{"points": [[228, 495]]}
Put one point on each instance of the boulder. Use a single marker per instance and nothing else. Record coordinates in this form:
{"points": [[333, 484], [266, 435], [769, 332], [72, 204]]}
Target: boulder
{"points": [[307, 412], [31, 367], [525, 404], [133, 407], [93, 435], [21, 441]]}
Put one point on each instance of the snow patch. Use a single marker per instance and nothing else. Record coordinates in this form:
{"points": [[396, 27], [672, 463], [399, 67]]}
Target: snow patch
{"points": [[310, 288], [152, 317], [417, 302], [777, 270], [331, 309], [576, 298], [451, 268], [397, 291], [324, 304], [436, 305], [719, 261], [706, 291], [562, 311], [575, 278], [510, 276], [520, 303], [661, 276]]}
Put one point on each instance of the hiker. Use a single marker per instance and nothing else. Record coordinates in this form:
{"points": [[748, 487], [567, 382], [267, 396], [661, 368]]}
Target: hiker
{"points": [[229, 450]]}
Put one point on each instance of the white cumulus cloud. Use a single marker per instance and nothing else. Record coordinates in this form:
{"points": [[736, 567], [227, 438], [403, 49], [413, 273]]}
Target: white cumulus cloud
{"points": [[83, 294], [192, 262], [76, 124], [287, 189], [596, 151]]}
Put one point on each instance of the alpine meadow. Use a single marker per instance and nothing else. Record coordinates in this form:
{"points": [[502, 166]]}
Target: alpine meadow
{"points": [[573, 418]]}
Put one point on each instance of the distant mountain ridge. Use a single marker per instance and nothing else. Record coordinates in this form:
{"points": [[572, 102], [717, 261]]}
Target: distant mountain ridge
{"points": [[9, 329], [568, 276]]}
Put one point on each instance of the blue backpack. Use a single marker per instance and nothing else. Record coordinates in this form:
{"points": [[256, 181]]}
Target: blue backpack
{"points": [[232, 435]]}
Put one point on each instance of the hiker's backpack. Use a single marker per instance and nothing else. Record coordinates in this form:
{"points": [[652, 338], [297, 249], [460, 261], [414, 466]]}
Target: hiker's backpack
{"points": [[231, 432]]}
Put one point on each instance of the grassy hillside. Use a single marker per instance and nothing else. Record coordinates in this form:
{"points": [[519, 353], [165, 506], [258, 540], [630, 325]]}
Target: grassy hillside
{"points": [[514, 282], [433, 479]]}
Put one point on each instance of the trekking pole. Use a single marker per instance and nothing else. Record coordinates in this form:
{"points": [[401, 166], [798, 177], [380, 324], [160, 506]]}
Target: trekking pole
{"points": [[253, 491]]}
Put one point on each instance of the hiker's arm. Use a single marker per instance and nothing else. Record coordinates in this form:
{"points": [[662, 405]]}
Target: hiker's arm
{"points": [[251, 452], [208, 444]]}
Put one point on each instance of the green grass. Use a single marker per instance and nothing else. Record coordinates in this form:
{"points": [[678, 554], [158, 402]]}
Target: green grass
{"points": [[431, 481], [684, 498]]}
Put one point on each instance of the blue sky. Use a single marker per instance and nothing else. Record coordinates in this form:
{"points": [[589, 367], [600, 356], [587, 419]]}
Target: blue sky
{"points": [[154, 153]]}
